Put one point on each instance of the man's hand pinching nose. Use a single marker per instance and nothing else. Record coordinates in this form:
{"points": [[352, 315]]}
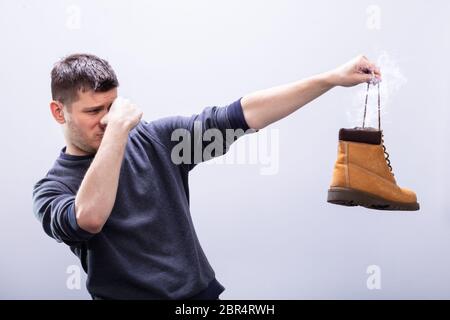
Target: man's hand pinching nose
{"points": [[124, 113]]}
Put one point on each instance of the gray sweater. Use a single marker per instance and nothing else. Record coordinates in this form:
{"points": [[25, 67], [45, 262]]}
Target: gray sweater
{"points": [[148, 248]]}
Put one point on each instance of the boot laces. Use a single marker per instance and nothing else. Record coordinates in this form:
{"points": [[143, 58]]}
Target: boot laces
{"points": [[386, 154]]}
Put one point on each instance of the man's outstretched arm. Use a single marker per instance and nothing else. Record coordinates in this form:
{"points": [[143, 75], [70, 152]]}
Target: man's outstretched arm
{"points": [[263, 107]]}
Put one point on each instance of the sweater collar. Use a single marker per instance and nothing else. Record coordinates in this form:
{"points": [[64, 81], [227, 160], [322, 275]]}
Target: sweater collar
{"points": [[64, 155]]}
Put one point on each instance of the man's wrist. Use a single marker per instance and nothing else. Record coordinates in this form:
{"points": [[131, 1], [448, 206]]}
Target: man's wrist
{"points": [[329, 79], [121, 127]]}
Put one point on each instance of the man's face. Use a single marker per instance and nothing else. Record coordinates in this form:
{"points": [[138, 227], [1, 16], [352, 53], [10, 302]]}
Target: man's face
{"points": [[83, 130]]}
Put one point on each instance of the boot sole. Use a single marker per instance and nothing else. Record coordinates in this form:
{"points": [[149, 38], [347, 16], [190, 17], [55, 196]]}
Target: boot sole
{"points": [[351, 197]]}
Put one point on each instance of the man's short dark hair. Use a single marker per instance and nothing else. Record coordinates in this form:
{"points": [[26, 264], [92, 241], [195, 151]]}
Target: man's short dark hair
{"points": [[81, 72]]}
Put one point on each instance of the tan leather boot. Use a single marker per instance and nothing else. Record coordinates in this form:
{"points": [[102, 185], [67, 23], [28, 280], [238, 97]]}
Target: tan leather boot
{"points": [[363, 174]]}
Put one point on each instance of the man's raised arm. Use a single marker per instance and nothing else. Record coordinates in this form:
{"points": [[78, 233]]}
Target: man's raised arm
{"points": [[97, 193], [264, 107]]}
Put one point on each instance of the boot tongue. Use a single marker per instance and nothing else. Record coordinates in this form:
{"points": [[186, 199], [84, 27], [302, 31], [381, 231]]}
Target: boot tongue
{"points": [[364, 135]]}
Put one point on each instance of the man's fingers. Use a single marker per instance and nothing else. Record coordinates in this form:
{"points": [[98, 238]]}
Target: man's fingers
{"points": [[375, 69], [366, 78], [104, 120], [378, 72], [363, 58], [366, 67], [119, 101], [370, 69], [370, 73], [375, 74]]}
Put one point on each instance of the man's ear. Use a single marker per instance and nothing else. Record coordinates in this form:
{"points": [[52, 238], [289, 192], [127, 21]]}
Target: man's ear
{"points": [[57, 110]]}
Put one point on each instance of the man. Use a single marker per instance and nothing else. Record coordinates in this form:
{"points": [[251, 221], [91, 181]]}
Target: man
{"points": [[117, 194]]}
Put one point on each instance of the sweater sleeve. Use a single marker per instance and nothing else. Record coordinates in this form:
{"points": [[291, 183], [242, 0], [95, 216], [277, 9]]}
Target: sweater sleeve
{"points": [[54, 207], [202, 136]]}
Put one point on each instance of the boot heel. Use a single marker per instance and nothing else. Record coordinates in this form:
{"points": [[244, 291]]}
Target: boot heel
{"points": [[342, 196]]}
